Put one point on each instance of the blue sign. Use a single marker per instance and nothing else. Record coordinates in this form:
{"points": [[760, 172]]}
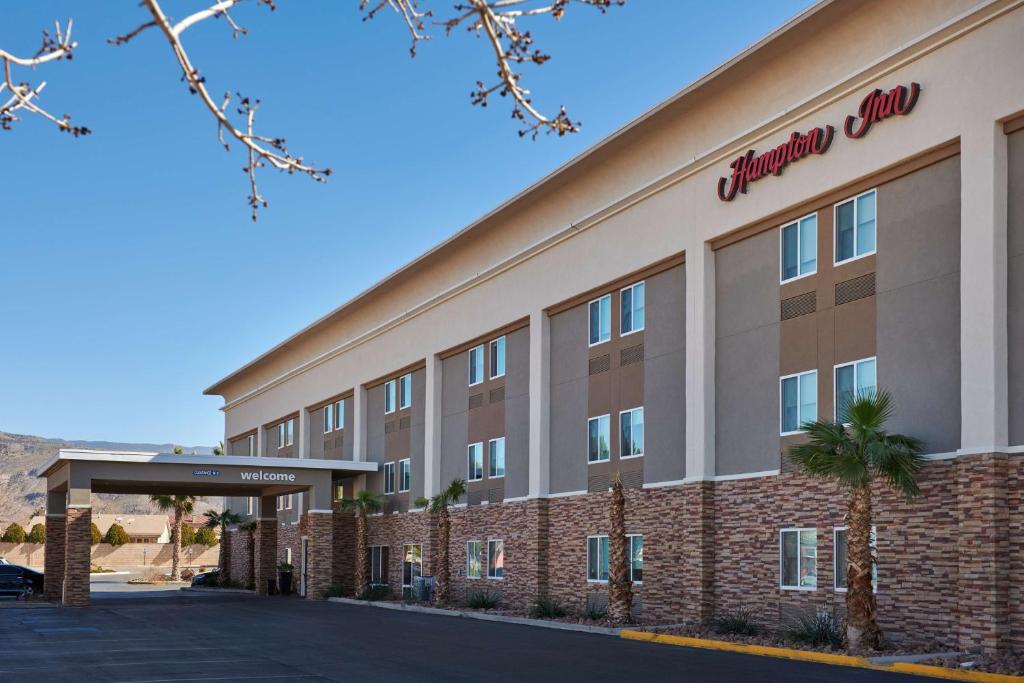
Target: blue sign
{"points": [[205, 473]]}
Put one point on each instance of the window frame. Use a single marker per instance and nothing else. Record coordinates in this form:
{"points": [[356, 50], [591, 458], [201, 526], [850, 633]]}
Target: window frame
{"points": [[607, 417], [489, 556], [856, 228], [252, 445], [339, 414], [406, 465], [592, 344], [798, 531], [328, 418], [389, 478], [798, 222], [469, 462], [643, 447], [290, 431], [469, 558], [382, 565], [390, 396], [491, 345], [632, 300], [280, 435], [249, 506], [402, 393], [835, 559], [490, 458], [629, 538], [606, 560], [797, 376], [405, 553], [835, 383], [483, 365]]}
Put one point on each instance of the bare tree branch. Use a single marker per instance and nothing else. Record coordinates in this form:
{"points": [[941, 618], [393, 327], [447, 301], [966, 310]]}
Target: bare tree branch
{"points": [[22, 96]]}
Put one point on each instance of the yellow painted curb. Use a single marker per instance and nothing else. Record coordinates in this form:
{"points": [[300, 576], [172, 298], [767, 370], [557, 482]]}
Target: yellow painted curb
{"points": [[820, 657]]}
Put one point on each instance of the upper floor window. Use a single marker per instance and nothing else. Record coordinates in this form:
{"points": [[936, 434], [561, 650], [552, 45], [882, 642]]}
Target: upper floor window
{"points": [[798, 561], [497, 357], [286, 433], [798, 401], [390, 389], [339, 414], [840, 555], [328, 418], [853, 379], [631, 308], [252, 444], [631, 433], [404, 475], [601, 319], [476, 365], [496, 458], [800, 248], [855, 227], [475, 456], [600, 438], [405, 391], [389, 478]]}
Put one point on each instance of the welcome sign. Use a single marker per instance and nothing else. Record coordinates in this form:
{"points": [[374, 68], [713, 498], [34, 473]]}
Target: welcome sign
{"points": [[260, 475]]}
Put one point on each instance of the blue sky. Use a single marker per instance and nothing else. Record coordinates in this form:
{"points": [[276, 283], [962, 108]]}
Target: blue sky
{"points": [[131, 276]]}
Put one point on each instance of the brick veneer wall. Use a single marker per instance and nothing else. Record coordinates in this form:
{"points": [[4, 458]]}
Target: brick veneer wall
{"points": [[395, 531], [321, 553], [265, 556], [344, 550], [53, 569], [78, 541], [1015, 556], [241, 556]]}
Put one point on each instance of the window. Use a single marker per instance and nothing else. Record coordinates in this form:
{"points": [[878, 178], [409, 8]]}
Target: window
{"points": [[799, 247], [378, 565], [601, 320], [600, 437], [495, 560], [476, 365], [799, 400], [496, 458], [280, 503], [337, 491], [798, 559], [473, 567], [840, 559], [853, 379], [631, 433], [405, 391], [280, 435], [475, 453], [597, 558], [635, 543], [389, 396], [855, 227], [249, 505], [289, 432], [389, 478], [497, 357], [339, 414], [412, 563], [631, 307], [289, 499], [328, 418], [404, 475], [252, 445]]}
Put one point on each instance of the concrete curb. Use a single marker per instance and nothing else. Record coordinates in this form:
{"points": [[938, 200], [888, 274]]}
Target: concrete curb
{"points": [[200, 589], [821, 657], [480, 616]]}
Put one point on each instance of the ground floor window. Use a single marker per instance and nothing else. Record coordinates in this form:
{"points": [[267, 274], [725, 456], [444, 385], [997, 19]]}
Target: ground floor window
{"points": [[635, 543], [473, 565], [412, 563], [798, 559], [597, 558], [840, 561], [379, 565], [495, 559]]}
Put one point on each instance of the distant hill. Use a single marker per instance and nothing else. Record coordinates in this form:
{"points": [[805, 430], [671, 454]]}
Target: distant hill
{"points": [[22, 493]]}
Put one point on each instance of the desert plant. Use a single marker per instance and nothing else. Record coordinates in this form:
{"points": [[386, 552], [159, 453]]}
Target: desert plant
{"points": [[334, 591], [206, 537], [620, 588], [37, 535], [421, 502], [439, 505], [222, 520], [284, 567], [94, 531], [363, 503], [483, 599], [14, 533], [188, 535], [595, 611], [739, 622], [820, 628], [375, 593], [116, 535], [181, 506], [547, 607], [854, 452], [187, 574]]}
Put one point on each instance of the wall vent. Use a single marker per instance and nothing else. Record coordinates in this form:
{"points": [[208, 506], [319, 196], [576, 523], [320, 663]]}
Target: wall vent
{"points": [[474, 497], [598, 483], [796, 306], [633, 354], [476, 400], [600, 364], [633, 480], [404, 423], [495, 495], [389, 427], [857, 288], [496, 395]]}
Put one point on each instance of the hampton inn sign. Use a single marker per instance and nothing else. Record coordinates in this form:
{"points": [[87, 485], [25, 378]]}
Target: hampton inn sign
{"points": [[876, 106]]}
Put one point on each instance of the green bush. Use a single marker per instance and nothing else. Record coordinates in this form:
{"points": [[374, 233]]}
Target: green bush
{"points": [[37, 535], [596, 611], [822, 628], [205, 536], [116, 535], [374, 593], [546, 607], [14, 534], [483, 599], [739, 622], [335, 591], [188, 535], [97, 537]]}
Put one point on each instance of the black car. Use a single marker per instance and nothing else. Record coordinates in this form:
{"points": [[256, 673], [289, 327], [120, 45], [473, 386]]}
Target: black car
{"points": [[204, 578], [17, 581]]}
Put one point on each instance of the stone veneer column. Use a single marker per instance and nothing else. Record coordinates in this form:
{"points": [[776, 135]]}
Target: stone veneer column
{"points": [[983, 549], [319, 575], [53, 556], [78, 545], [699, 544], [265, 556]]}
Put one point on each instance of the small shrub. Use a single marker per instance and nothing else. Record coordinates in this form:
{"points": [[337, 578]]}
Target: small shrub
{"points": [[422, 502], [116, 535], [596, 611], [94, 531], [483, 599], [187, 575], [375, 593], [37, 535], [739, 622], [284, 567], [188, 535], [335, 591], [546, 607], [14, 534], [205, 536], [821, 628]]}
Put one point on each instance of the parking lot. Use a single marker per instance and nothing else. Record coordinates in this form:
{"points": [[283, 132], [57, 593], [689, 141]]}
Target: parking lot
{"points": [[209, 637]]}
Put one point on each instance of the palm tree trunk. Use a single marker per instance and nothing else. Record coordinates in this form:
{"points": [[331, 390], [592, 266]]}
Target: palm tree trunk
{"points": [[222, 557], [620, 593], [362, 559], [862, 632], [444, 572], [176, 547]]}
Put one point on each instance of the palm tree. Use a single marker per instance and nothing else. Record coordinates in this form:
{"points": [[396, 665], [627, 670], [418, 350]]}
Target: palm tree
{"points": [[439, 506], [363, 503], [221, 521], [854, 452], [181, 505], [620, 589]]}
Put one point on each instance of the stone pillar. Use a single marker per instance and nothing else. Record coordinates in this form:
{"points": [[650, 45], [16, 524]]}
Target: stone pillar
{"points": [[78, 546], [700, 362], [265, 556], [359, 424], [699, 549], [53, 551], [540, 398], [321, 554], [432, 428]]}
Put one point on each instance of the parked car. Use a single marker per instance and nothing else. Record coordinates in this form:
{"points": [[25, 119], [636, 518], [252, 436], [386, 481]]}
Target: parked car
{"points": [[17, 581], [3, 561], [204, 578]]}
